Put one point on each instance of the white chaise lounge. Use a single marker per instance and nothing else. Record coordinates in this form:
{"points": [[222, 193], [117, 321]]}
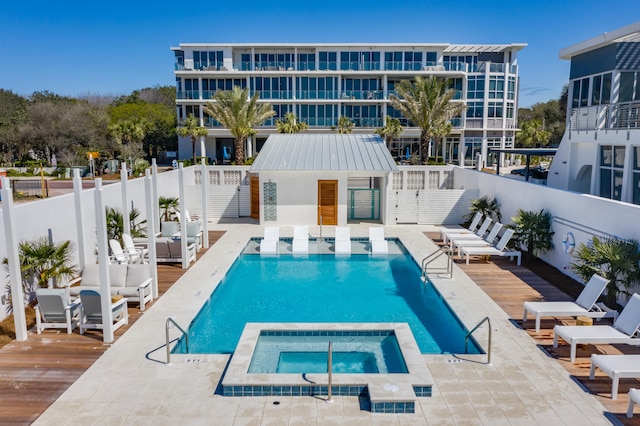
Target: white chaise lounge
{"points": [[585, 304], [473, 240], [343, 240], [617, 367], [477, 233], [377, 242], [622, 331], [500, 249], [300, 242], [269, 244], [470, 230]]}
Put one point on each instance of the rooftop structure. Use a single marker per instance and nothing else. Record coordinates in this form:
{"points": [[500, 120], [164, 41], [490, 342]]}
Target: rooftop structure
{"points": [[600, 153], [322, 82]]}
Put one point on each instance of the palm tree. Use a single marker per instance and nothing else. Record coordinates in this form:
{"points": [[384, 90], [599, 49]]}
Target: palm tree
{"points": [[168, 208], [391, 130], [239, 114], [115, 224], [533, 230], [486, 206], [345, 125], [427, 103], [615, 259], [129, 133], [290, 124], [192, 129]]}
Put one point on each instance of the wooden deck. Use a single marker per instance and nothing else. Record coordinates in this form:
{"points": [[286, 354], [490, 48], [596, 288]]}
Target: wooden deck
{"points": [[34, 373], [510, 286]]}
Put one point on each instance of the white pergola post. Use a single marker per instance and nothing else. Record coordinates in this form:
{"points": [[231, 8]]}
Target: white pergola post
{"points": [[126, 225], [13, 259], [203, 148], [151, 236], [205, 214], [156, 207], [77, 198], [183, 218], [103, 264]]}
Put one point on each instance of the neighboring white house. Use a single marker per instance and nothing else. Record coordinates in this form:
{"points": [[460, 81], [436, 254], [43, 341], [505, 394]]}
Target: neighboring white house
{"points": [[311, 179], [322, 82], [600, 151]]}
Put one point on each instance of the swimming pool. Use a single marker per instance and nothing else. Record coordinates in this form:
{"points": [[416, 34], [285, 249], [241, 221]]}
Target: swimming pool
{"points": [[325, 288]]}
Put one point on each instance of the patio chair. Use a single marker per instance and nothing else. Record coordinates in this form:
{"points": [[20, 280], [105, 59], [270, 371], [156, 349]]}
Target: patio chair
{"points": [[55, 310], [269, 244], [92, 312], [473, 240], [133, 250], [617, 367], [194, 234], [342, 242], [300, 243], [634, 398], [479, 233], [623, 330], [119, 256], [500, 249], [471, 229], [585, 304], [376, 239]]}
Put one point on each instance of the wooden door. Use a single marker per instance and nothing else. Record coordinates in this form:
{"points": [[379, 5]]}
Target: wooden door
{"points": [[254, 183], [328, 202]]}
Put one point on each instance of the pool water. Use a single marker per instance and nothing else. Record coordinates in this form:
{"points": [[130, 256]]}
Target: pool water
{"points": [[326, 288], [301, 352]]}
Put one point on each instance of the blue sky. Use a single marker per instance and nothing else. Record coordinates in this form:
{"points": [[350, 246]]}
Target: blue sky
{"points": [[111, 48]]}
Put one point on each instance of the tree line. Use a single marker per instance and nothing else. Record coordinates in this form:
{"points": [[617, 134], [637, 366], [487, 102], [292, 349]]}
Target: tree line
{"points": [[38, 128]]}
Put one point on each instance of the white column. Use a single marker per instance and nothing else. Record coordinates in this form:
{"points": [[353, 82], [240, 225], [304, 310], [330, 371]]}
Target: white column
{"points": [[151, 236], [249, 148], [183, 218], [77, 198], [124, 180], [205, 214], [13, 259], [156, 207], [103, 264], [203, 148]]}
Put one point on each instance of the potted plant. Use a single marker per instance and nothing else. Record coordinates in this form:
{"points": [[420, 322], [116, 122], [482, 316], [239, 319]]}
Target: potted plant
{"points": [[168, 215], [533, 231], [486, 206]]}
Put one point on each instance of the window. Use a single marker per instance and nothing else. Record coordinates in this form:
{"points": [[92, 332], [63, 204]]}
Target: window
{"points": [[475, 109], [511, 88], [316, 88], [328, 60], [460, 63], [245, 58], [456, 84], [494, 110], [597, 90], [208, 60], [636, 176], [611, 171], [306, 61], [496, 87], [432, 58], [412, 61], [626, 86], [606, 89], [475, 87], [575, 98], [392, 60], [272, 87]]}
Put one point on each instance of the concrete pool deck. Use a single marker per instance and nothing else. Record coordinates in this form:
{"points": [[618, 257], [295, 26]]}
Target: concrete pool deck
{"points": [[130, 383]]}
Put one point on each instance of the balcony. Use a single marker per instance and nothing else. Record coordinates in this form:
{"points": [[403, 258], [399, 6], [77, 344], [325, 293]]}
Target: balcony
{"points": [[361, 94], [317, 94], [602, 117]]}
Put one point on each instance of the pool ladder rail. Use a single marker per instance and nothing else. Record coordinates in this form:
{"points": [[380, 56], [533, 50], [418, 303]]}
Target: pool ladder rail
{"points": [[170, 321], [466, 338], [432, 257]]}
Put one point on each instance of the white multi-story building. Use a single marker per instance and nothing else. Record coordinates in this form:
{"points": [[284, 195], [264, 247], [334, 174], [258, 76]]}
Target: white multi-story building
{"points": [[600, 151], [321, 82]]}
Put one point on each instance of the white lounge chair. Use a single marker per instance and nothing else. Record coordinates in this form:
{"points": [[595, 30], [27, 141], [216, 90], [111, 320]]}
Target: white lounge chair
{"points": [[617, 367], [269, 244], [343, 240], [585, 304], [376, 239], [55, 310], [623, 330], [133, 250], [119, 256], [500, 249], [473, 240], [471, 229], [478, 233], [634, 398], [92, 312], [300, 243]]}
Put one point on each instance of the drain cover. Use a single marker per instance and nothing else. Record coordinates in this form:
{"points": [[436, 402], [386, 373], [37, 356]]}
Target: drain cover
{"points": [[389, 387]]}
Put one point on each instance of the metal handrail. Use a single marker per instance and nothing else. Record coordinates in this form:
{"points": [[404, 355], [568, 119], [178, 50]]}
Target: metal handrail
{"points": [[466, 338], [330, 372], [435, 255], [186, 336]]}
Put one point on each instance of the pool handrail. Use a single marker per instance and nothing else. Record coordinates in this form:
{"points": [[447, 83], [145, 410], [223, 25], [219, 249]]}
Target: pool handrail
{"points": [[432, 257], [466, 338], [186, 337]]}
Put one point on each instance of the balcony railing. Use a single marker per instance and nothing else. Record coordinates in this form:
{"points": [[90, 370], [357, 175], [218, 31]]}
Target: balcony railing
{"points": [[316, 94], [361, 94], [600, 117]]}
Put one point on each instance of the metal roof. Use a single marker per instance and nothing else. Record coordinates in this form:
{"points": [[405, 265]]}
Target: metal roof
{"points": [[324, 152], [630, 33]]}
